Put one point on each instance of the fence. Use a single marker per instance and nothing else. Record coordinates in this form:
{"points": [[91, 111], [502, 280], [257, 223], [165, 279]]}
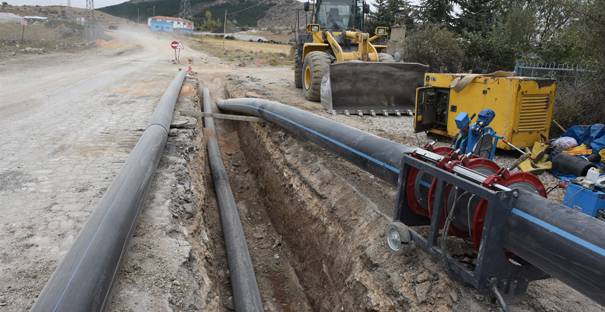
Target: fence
{"points": [[561, 72], [94, 32]]}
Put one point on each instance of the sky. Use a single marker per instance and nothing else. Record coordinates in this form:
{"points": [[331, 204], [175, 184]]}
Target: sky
{"points": [[82, 3]]}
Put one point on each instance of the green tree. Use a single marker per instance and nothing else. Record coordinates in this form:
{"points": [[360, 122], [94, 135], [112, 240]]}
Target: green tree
{"points": [[477, 16], [390, 12], [437, 12], [4, 4]]}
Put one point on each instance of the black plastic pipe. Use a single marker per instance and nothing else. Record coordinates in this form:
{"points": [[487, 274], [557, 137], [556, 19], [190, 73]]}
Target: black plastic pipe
{"points": [[562, 242], [246, 295], [569, 164], [85, 277]]}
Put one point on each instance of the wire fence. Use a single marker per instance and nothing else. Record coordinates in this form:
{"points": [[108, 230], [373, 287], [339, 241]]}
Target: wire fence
{"points": [[567, 73]]}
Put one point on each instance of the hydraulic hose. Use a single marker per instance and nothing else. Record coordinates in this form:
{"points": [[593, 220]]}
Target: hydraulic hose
{"points": [[85, 277], [246, 295], [562, 242]]}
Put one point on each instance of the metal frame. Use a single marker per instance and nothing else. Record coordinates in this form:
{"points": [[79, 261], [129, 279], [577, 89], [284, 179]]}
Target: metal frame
{"points": [[493, 267]]}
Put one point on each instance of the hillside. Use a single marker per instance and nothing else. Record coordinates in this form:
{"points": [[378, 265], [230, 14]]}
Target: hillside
{"points": [[55, 11], [264, 13]]}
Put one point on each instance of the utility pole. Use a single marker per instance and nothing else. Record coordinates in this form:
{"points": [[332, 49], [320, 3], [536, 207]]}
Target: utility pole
{"points": [[224, 29], [185, 9], [90, 15], [154, 10], [68, 10]]}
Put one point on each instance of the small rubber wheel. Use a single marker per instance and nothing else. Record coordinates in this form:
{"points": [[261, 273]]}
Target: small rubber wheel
{"points": [[398, 238], [314, 67], [385, 58]]}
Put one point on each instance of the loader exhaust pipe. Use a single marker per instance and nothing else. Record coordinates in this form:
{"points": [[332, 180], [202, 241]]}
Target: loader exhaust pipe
{"points": [[560, 241]]}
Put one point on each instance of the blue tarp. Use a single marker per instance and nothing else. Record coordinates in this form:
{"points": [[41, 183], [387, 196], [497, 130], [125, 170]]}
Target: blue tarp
{"points": [[593, 136]]}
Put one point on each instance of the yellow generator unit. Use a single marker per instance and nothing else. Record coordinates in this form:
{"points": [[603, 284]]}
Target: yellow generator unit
{"points": [[523, 105]]}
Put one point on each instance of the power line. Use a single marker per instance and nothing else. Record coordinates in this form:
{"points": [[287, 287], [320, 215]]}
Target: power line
{"points": [[185, 10], [245, 9]]}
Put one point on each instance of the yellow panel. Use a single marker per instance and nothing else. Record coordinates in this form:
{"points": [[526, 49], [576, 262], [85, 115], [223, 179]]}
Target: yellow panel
{"points": [[523, 106], [310, 47]]}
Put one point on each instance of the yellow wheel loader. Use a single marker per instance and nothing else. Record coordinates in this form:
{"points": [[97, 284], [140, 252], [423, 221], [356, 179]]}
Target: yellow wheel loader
{"points": [[337, 64]]}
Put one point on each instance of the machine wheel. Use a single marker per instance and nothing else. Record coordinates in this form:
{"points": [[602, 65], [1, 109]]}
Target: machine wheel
{"points": [[398, 238], [298, 78], [313, 70], [297, 71], [385, 58]]}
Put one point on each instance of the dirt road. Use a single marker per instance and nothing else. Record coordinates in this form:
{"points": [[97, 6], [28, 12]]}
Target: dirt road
{"points": [[68, 122]]}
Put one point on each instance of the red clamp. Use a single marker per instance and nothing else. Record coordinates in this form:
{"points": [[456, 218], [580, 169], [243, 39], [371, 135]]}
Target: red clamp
{"points": [[491, 180]]}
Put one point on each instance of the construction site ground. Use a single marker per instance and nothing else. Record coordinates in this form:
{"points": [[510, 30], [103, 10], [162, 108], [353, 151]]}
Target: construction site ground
{"points": [[313, 222]]}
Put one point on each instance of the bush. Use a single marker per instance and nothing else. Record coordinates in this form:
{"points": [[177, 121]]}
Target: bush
{"points": [[435, 46]]}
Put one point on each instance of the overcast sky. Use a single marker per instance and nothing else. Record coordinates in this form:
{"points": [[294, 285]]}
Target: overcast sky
{"points": [[82, 3]]}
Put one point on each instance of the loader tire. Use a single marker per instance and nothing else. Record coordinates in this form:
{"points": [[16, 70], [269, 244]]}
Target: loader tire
{"points": [[298, 78], [385, 58], [297, 71], [314, 67]]}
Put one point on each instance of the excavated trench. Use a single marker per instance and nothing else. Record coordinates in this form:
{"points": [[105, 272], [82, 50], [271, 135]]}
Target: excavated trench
{"points": [[314, 225]]}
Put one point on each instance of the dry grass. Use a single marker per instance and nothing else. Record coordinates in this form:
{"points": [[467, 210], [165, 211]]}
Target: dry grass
{"points": [[246, 45], [35, 36], [247, 53]]}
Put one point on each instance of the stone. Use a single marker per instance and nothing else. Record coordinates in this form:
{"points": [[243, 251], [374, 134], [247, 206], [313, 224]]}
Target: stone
{"points": [[422, 291], [258, 235], [430, 265], [229, 304], [454, 296], [424, 276]]}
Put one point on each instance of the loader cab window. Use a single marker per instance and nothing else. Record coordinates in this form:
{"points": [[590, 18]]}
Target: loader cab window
{"points": [[334, 14]]}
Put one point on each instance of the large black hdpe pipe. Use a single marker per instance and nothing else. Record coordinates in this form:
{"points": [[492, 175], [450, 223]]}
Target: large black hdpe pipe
{"points": [[86, 275], [569, 164], [562, 242], [246, 295]]}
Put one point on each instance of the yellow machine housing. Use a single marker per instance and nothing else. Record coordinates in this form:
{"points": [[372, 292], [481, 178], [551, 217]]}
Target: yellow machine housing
{"points": [[523, 106]]}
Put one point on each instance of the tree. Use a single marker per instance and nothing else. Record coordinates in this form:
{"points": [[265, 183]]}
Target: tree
{"points": [[4, 4], [390, 12], [437, 12], [477, 16]]}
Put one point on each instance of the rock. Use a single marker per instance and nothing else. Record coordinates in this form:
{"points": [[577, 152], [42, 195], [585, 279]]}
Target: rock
{"points": [[479, 297], [424, 276], [276, 256], [258, 235], [422, 291], [173, 133], [454, 296], [176, 283], [430, 265], [34, 50], [409, 276], [183, 124], [229, 304]]}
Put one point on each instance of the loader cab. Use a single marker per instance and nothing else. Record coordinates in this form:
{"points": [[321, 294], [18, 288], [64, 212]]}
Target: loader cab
{"points": [[339, 14]]}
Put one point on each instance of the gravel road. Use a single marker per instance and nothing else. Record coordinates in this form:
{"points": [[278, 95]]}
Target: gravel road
{"points": [[68, 123]]}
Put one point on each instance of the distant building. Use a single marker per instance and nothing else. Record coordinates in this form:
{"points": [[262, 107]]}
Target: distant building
{"points": [[170, 24]]}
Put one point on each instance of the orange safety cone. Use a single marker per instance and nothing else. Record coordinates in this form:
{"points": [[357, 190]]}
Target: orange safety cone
{"points": [[189, 68], [256, 63]]}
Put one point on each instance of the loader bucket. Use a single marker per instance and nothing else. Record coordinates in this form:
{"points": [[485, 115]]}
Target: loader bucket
{"points": [[356, 87]]}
